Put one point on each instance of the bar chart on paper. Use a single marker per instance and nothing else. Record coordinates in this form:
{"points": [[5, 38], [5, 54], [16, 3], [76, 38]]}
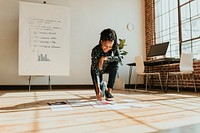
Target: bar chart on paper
{"points": [[43, 57]]}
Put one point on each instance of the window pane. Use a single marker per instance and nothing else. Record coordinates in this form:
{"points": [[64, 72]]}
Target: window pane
{"points": [[196, 49], [165, 6], [158, 25], [196, 28], [198, 6], [174, 54], [174, 37], [186, 47], [183, 1], [158, 36], [175, 49], [194, 8], [165, 19], [162, 34], [173, 18], [158, 40], [166, 38], [173, 4], [186, 31], [158, 8], [185, 13]]}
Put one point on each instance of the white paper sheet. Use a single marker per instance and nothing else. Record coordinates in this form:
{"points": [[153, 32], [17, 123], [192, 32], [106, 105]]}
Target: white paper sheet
{"points": [[60, 107]]}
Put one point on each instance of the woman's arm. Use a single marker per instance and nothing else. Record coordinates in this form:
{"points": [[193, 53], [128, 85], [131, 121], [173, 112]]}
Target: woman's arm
{"points": [[115, 57]]}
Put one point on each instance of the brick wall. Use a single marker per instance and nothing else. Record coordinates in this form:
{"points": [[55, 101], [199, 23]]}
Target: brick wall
{"points": [[150, 40], [149, 23]]}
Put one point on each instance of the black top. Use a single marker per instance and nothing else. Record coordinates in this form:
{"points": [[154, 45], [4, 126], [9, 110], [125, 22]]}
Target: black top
{"points": [[97, 53]]}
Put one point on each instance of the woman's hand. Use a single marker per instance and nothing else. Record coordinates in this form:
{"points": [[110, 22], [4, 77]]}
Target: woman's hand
{"points": [[98, 92], [102, 59], [99, 95]]}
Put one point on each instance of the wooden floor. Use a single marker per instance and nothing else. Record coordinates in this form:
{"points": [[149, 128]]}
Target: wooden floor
{"points": [[131, 112]]}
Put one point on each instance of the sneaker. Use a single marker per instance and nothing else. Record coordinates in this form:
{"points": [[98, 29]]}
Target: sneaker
{"points": [[109, 96]]}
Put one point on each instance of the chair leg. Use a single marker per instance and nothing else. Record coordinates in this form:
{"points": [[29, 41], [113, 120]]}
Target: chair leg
{"points": [[195, 89], [136, 82], [149, 81], [160, 82], [166, 89], [177, 83], [146, 81], [182, 82]]}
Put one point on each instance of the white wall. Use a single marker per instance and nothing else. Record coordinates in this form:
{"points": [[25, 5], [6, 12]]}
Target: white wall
{"points": [[88, 19]]}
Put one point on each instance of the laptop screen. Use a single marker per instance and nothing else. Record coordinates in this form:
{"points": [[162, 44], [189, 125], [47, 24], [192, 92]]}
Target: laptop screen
{"points": [[158, 49]]}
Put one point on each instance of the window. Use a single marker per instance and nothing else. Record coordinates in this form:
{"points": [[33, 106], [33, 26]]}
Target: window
{"points": [[185, 35], [166, 25]]}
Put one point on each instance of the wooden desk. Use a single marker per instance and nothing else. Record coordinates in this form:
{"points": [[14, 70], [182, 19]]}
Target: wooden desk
{"points": [[157, 62]]}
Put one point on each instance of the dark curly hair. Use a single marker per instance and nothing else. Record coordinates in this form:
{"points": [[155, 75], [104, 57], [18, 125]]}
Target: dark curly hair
{"points": [[109, 35]]}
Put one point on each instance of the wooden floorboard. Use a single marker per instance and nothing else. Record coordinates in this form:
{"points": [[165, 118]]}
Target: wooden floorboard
{"points": [[132, 111]]}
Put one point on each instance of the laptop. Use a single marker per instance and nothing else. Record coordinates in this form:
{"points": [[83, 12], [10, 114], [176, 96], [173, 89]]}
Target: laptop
{"points": [[158, 50]]}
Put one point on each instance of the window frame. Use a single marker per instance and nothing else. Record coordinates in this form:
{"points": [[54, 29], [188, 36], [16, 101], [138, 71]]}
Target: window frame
{"points": [[183, 44]]}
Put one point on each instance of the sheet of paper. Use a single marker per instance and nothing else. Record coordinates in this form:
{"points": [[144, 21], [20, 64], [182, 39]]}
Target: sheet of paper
{"points": [[60, 107], [112, 106], [119, 106], [130, 100], [82, 104], [139, 105], [104, 102]]}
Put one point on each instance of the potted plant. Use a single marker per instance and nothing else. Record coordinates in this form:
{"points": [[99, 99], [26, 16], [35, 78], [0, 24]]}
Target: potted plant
{"points": [[119, 83], [121, 46]]}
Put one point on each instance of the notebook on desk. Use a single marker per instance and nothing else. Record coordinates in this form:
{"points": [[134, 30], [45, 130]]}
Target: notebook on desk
{"points": [[158, 50]]}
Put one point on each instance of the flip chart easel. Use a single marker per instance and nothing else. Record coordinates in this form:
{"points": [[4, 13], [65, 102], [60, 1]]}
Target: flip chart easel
{"points": [[44, 31], [49, 82]]}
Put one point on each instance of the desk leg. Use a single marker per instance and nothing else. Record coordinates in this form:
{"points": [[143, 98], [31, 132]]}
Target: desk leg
{"points": [[29, 83], [162, 75], [166, 87], [130, 73], [50, 83]]}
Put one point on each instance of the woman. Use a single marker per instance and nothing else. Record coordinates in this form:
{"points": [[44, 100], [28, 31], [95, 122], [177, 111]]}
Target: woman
{"points": [[105, 57]]}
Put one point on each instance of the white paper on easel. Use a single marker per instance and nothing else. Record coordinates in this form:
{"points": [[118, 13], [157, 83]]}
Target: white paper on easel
{"points": [[44, 39]]}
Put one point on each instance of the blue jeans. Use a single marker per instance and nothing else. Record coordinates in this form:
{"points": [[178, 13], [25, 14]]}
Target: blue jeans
{"points": [[97, 78]]}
